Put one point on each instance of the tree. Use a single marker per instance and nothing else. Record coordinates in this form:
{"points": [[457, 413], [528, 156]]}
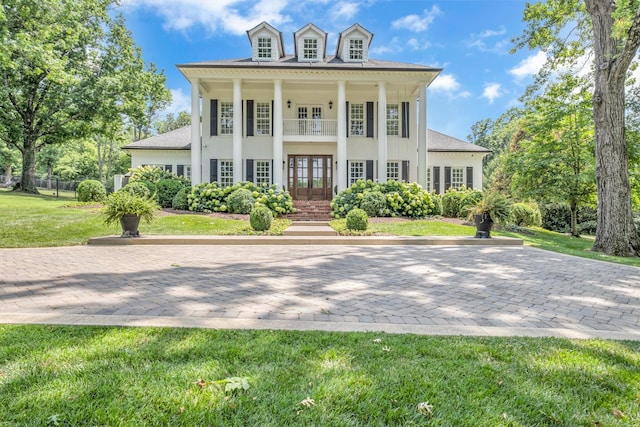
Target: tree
{"points": [[568, 30], [555, 161], [170, 122]]}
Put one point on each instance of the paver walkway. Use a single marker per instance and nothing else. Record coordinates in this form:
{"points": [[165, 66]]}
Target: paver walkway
{"points": [[417, 289]]}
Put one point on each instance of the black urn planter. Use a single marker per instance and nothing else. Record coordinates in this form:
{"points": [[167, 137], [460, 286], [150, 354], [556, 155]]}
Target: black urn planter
{"points": [[483, 226], [129, 223]]}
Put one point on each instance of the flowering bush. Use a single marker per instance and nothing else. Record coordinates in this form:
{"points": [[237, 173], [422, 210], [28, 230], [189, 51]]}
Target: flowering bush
{"points": [[154, 174], [403, 199], [210, 197]]}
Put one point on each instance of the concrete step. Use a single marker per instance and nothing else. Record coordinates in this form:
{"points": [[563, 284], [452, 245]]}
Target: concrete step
{"points": [[310, 228]]}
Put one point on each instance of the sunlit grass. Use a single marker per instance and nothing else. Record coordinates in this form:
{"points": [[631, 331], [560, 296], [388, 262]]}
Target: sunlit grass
{"points": [[151, 376]]}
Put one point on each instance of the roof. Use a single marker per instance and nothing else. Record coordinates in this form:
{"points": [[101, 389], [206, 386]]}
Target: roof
{"points": [[291, 62], [180, 139], [444, 143]]}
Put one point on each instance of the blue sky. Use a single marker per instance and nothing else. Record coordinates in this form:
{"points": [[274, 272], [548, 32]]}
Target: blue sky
{"points": [[470, 40]]}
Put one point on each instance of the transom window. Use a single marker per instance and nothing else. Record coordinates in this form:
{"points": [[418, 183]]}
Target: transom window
{"points": [[392, 119], [264, 47], [226, 118], [226, 173], [457, 178], [356, 49], [262, 172], [393, 171], [356, 172], [263, 118], [357, 119], [310, 48]]}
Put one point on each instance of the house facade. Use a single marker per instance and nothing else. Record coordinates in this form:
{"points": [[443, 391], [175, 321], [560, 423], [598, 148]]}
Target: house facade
{"points": [[312, 122]]}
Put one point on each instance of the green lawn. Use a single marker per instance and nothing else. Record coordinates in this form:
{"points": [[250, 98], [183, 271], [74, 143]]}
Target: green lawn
{"points": [[132, 376]]}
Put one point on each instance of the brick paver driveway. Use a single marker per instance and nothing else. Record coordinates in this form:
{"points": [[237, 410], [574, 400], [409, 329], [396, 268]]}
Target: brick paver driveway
{"points": [[417, 289]]}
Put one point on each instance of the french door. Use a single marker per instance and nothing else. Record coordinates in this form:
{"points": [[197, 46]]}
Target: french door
{"points": [[310, 177]]}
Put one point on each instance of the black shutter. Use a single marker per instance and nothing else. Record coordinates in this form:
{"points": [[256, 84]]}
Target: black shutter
{"points": [[168, 168], [369, 170], [436, 179], [271, 175], [213, 170], [213, 118], [180, 170], [249, 170], [405, 120], [369, 119], [249, 117], [469, 177], [348, 124], [405, 170], [447, 178], [272, 116]]}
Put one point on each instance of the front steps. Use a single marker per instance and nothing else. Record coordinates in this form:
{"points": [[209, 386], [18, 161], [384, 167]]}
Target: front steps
{"points": [[310, 229], [310, 210]]}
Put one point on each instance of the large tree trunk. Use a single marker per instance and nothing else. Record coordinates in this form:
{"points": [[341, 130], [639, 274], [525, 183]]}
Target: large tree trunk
{"points": [[616, 233], [7, 173], [574, 218], [28, 180]]}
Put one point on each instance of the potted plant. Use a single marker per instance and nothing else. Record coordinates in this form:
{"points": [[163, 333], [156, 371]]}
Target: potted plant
{"points": [[128, 209], [492, 208]]}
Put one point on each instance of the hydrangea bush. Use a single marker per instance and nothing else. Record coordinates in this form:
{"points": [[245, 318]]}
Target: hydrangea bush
{"points": [[403, 199], [210, 197]]}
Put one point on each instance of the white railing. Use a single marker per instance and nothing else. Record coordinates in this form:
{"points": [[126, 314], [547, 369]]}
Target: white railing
{"points": [[310, 127]]}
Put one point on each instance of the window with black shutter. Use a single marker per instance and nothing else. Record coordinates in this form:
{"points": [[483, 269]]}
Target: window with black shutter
{"points": [[436, 179], [213, 117], [447, 178], [213, 170], [469, 177]]}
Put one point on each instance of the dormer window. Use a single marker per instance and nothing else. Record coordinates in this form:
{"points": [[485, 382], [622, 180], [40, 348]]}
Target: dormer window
{"points": [[264, 48], [356, 49], [310, 49]]}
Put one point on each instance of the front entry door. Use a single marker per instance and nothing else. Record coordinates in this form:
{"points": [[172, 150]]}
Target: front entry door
{"points": [[310, 177]]}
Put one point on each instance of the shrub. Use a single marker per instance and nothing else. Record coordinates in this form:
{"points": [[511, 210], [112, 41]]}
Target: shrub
{"points": [[260, 218], [525, 215], [457, 202], [241, 201], [167, 190], [357, 219], [587, 227], [557, 217], [137, 188], [496, 205], [181, 199], [91, 191], [210, 197], [153, 189], [373, 203], [149, 173], [123, 203], [403, 199]]}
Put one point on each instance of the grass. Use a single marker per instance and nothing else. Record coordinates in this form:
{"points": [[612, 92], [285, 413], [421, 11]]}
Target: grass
{"points": [[55, 375], [44, 220]]}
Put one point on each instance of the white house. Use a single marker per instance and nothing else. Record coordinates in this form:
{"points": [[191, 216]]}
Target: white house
{"points": [[312, 122]]}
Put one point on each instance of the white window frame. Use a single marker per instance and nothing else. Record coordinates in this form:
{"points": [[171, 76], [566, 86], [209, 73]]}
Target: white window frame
{"points": [[393, 120], [429, 179], [393, 170], [457, 178], [356, 119], [310, 48], [263, 118], [187, 171], [265, 48], [262, 172], [356, 49], [356, 171], [225, 173], [226, 118]]}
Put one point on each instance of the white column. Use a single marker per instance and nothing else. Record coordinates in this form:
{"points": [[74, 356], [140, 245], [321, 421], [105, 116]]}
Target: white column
{"points": [[237, 130], [196, 143], [382, 132], [278, 123], [341, 173], [422, 137]]}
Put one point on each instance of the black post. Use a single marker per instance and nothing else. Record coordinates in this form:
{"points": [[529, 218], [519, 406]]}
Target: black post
{"points": [[57, 187]]}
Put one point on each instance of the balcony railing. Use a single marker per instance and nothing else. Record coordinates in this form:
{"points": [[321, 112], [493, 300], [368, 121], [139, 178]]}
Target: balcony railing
{"points": [[311, 127]]}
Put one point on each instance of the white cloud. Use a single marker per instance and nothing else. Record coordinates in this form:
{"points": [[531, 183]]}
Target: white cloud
{"points": [[179, 102], [417, 23], [344, 11], [447, 84], [416, 44], [485, 42], [215, 15], [529, 66], [492, 91]]}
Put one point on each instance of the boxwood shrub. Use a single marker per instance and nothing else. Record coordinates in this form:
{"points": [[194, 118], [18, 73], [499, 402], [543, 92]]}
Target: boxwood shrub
{"points": [[137, 188], [357, 219], [167, 190], [525, 215], [181, 199], [261, 218], [91, 190]]}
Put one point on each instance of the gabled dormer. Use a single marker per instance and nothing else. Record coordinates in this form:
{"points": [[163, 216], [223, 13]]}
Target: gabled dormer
{"points": [[266, 43], [353, 44], [310, 42]]}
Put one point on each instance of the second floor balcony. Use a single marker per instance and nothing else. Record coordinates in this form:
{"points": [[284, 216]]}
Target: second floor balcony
{"points": [[310, 130]]}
